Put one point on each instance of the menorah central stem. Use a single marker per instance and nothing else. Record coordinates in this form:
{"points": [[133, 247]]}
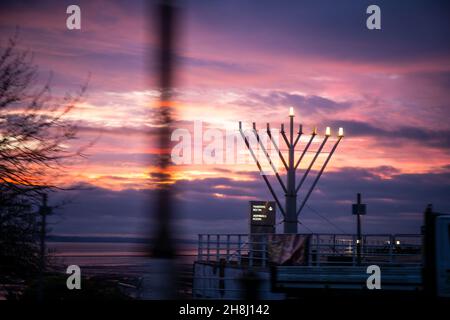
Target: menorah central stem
{"points": [[290, 221]]}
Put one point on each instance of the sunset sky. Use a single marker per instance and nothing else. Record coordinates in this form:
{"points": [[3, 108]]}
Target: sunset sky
{"points": [[250, 61]]}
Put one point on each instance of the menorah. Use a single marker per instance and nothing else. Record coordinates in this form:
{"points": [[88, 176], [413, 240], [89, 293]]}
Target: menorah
{"points": [[290, 212]]}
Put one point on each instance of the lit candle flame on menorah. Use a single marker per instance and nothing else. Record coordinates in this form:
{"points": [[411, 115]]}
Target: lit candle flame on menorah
{"points": [[289, 211]]}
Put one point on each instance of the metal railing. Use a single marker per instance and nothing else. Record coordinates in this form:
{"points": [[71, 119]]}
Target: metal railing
{"points": [[322, 249]]}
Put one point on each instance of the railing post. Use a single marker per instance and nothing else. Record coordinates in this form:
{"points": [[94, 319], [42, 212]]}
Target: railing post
{"points": [[309, 251], [264, 252], [239, 250], [207, 247], [200, 248], [334, 244], [228, 248], [317, 250], [394, 239], [354, 249], [391, 258], [250, 251], [218, 248], [363, 246]]}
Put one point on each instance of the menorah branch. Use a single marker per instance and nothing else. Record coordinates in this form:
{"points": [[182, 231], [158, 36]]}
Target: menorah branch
{"points": [[283, 134], [319, 175], [305, 150], [268, 159], [260, 170], [305, 175], [276, 147], [299, 134]]}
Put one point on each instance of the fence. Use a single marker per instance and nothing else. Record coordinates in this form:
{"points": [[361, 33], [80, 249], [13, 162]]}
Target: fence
{"points": [[323, 249]]}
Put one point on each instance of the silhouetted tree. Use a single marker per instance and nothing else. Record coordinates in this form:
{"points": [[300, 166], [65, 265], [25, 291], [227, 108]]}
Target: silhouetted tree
{"points": [[19, 256], [33, 142]]}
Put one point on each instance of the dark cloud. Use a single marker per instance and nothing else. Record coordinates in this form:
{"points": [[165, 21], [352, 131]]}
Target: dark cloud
{"points": [[93, 210], [411, 30], [224, 66], [435, 78], [304, 104], [395, 204], [434, 138]]}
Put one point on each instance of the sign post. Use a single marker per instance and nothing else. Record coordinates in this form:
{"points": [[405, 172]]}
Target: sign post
{"points": [[262, 223], [358, 209], [262, 217]]}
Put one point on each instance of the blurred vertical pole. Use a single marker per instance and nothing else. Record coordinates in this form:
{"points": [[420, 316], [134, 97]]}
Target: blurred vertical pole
{"points": [[44, 210], [163, 247], [160, 283], [250, 286]]}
